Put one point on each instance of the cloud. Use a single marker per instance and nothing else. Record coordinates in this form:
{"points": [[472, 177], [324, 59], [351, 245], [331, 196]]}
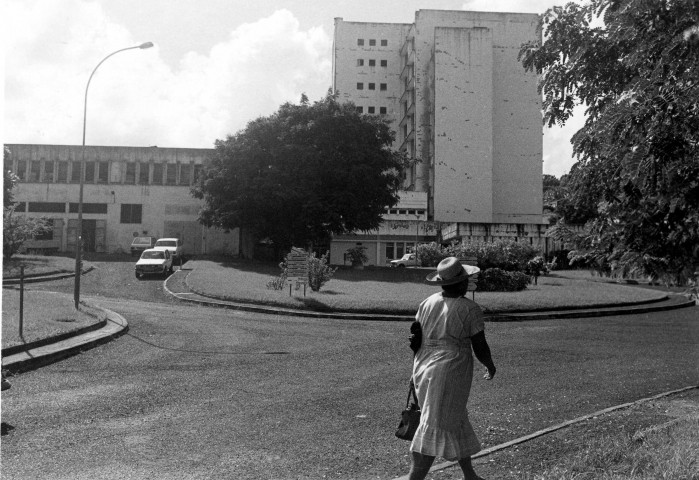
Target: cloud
{"points": [[135, 98]]}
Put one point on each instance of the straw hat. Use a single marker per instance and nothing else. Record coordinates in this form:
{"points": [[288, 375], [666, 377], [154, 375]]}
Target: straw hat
{"points": [[451, 271]]}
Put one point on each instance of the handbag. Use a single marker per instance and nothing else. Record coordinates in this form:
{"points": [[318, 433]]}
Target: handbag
{"points": [[409, 417]]}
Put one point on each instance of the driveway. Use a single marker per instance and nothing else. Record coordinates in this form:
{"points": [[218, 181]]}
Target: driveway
{"points": [[198, 393]]}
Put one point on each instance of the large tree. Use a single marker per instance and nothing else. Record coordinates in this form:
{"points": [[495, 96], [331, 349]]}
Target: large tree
{"points": [[302, 174], [634, 66]]}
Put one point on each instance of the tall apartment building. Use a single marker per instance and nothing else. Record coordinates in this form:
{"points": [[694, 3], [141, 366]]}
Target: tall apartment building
{"points": [[464, 108], [128, 192]]}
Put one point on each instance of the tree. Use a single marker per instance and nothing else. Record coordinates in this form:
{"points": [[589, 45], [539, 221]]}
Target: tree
{"points": [[302, 174], [634, 65], [9, 179]]}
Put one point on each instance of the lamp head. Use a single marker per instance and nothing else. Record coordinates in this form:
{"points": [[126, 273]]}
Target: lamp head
{"points": [[145, 45]]}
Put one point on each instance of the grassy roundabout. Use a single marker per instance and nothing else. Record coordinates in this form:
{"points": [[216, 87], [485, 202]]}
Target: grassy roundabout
{"points": [[387, 290]]}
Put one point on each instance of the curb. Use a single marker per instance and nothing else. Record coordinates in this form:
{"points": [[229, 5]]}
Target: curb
{"points": [[30, 359], [45, 277], [646, 306], [553, 428]]}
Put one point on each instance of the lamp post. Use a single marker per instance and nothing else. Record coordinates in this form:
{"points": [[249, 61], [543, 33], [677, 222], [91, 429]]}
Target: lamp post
{"points": [[79, 234]]}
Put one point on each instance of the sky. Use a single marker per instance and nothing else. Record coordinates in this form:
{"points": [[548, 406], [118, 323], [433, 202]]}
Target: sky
{"points": [[215, 66]]}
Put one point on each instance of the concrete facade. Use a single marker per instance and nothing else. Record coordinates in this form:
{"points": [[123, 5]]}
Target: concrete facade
{"points": [[463, 107], [128, 192]]}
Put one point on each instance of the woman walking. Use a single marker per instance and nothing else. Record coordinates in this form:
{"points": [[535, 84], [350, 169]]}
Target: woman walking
{"points": [[451, 327]]}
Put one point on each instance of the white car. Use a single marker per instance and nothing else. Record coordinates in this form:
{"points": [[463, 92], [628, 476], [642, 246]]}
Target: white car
{"points": [[154, 262], [407, 259], [173, 245]]}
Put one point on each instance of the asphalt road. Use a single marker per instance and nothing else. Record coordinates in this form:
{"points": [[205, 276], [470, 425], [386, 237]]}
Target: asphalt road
{"points": [[198, 393]]}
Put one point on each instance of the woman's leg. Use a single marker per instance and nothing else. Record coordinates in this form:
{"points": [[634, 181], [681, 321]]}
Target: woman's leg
{"points": [[420, 467], [467, 468]]}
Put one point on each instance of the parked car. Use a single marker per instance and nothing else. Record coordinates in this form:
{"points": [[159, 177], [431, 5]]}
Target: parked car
{"points": [[154, 262], [173, 245], [407, 259], [140, 244]]}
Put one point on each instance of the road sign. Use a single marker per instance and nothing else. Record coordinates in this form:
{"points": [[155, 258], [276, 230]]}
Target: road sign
{"points": [[297, 269]]}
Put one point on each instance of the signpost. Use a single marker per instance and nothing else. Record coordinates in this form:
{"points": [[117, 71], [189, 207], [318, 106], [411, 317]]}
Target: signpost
{"points": [[297, 269], [473, 279]]}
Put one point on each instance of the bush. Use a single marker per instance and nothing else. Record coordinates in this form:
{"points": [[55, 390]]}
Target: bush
{"points": [[319, 272], [504, 254], [498, 280], [430, 254]]}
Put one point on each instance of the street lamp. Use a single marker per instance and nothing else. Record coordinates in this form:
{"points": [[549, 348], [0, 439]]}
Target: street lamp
{"points": [[78, 242]]}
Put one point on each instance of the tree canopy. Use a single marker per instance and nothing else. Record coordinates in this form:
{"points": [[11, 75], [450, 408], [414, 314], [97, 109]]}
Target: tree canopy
{"points": [[634, 66], [302, 174]]}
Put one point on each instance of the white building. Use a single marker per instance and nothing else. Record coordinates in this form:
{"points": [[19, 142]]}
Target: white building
{"points": [[464, 107], [128, 192]]}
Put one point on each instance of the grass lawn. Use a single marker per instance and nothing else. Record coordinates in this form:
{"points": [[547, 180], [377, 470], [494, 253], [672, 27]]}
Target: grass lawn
{"points": [[393, 290], [45, 314], [669, 452], [36, 265]]}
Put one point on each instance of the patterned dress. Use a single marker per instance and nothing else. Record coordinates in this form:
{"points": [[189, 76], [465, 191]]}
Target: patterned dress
{"points": [[442, 372]]}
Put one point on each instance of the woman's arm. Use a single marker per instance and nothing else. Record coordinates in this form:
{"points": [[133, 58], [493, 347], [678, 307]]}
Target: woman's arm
{"points": [[482, 352]]}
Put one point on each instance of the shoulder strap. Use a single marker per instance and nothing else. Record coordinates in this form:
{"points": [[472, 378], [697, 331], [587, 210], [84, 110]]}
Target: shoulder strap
{"points": [[412, 392]]}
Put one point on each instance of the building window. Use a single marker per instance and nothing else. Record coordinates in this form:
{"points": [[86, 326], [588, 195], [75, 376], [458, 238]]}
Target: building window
{"points": [[185, 174], [372, 63], [198, 170], [360, 109], [157, 174], [372, 42], [143, 173], [100, 208], [89, 172], [102, 172], [34, 171], [130, 173], [21, 170], [48, 172], [360, 86], [62, 172], [384, 63], [382, 110], [48, 233], [360, 62], [372, 86], [372, 109], [75, 173], [47, 207], [383, 87], [171, 174], [360, 42], [131, 213]]}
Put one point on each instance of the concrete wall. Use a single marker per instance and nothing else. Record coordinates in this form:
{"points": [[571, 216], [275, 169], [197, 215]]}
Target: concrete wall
{"points": [[463, 125]]}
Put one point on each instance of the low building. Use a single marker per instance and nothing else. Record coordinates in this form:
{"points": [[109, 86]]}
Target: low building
{"points": [[128, 192]]}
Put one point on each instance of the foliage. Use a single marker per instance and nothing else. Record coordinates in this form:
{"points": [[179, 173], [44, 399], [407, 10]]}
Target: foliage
{"points": [[504, 254], [319, 272], [357, 255], [634, 66], [9, 180], [498, 280], [537, 266], [430, 254], [17, 229], [303, 174]]}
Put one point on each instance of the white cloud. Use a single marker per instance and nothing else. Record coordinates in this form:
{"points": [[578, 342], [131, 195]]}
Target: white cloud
{"points": [[135, 98]]}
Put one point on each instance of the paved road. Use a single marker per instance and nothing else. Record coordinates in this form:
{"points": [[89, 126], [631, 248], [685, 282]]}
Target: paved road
{"points": [[197, 393]]}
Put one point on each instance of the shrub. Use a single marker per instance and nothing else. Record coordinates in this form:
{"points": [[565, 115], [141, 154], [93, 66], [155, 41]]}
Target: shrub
{"points": [[498, 280], [319, 272], [357, 254], [430, 254]]}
